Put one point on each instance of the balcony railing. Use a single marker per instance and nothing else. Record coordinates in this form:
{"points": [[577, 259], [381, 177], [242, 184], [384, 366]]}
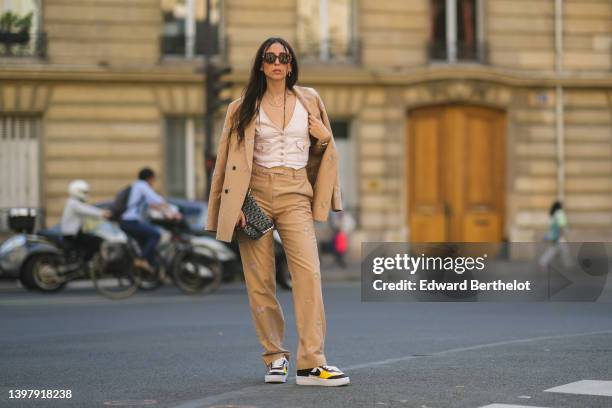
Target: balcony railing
{"points": [[177, 45], [473, 52], [330, 51], [23, 44]]}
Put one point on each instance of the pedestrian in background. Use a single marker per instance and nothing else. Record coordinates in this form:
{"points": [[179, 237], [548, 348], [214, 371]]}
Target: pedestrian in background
{"points": [[342, 225], [557, 236]]}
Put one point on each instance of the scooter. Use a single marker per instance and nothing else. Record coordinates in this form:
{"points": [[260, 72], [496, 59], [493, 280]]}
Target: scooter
{"points": [[46, 262], [192, 263]]}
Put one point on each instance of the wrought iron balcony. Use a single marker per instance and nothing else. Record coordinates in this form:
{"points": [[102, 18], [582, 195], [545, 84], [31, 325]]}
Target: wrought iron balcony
{"points": [[178, 45], [330, 51], [23, 44], [472, 52]]}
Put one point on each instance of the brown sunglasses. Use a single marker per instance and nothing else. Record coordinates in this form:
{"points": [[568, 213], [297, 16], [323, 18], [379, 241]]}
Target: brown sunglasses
{"points": [[283, 57]]}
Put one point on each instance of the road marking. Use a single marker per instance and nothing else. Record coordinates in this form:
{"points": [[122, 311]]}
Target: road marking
{"points": [[127, 403], [202, 402], [585, 387], [475, 347], [509, 406], [259, 388]]}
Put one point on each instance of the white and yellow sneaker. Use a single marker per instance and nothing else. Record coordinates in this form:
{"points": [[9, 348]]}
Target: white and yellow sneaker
{"points": [[325, 375], [277, 370]]}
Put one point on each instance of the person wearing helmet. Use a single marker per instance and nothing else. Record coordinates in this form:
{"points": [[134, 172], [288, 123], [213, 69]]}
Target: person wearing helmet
{"points": [[75, 211]]}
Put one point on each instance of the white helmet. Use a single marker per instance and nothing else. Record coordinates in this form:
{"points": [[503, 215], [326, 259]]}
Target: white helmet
{"points": [[78, 189]]}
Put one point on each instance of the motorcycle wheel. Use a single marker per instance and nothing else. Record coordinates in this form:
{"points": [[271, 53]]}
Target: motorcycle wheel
{"points": [[114, 283], [194, 273], [231, 271], [283, 277], [40, 273], [25, 283]]}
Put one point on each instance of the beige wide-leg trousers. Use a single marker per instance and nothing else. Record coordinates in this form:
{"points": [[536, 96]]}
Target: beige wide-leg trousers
{"points": [[285, 195]]}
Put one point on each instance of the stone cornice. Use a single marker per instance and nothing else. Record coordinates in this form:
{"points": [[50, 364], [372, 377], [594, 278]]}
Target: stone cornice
{"points": [[333, 75]]}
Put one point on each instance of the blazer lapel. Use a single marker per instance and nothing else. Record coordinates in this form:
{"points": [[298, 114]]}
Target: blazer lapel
{"points": [[249, 138], [304, 99], [249, 132]]}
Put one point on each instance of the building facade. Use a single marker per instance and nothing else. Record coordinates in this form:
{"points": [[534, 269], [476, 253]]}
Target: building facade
{"points": [[456, 120]]}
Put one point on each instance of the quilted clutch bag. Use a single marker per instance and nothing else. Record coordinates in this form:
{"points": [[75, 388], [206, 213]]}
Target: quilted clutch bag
{"points": [[257, 222]]}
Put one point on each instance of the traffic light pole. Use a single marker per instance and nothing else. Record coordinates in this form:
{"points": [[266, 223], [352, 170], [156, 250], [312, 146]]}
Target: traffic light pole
{"points": [[208, 128], [213, 86]]}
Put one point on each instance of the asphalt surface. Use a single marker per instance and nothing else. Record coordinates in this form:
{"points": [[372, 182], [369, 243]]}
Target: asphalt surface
{"points": [[165, 349]]}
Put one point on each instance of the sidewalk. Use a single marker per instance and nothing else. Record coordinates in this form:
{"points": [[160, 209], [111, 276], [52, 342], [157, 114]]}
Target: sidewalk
{"points": [[332, 272]]}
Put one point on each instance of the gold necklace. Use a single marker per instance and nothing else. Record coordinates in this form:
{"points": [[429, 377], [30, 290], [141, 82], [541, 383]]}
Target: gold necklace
{"points": [[276, 105], [284, 107]]}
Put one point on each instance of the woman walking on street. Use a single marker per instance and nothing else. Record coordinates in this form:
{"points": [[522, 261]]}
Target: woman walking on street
{"points": [[277, 141], [557, 236]]}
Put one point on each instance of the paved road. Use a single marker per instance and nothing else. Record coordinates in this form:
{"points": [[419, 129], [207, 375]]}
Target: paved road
{"points": [[164, 349]]}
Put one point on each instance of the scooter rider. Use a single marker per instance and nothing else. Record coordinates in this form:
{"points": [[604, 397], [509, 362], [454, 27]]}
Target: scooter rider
{"points": [[133, 220], [75, 211]]}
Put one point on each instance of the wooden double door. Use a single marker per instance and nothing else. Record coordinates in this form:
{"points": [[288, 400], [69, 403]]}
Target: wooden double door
{"points": [[456, 173]]}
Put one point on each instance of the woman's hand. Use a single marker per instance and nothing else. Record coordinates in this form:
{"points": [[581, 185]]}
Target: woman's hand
{"points": [[241, 221], [318, 129]]}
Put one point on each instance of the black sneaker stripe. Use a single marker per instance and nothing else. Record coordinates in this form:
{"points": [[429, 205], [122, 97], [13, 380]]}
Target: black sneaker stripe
{"points": [[304, 372], [308, 371], [335, 377]]}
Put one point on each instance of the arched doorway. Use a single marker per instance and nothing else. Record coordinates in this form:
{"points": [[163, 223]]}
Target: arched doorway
{"points": [[456, 172]]}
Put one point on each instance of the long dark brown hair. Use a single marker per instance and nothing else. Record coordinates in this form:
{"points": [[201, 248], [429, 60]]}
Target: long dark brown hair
{"points": [[556, 205], [255, 88]]}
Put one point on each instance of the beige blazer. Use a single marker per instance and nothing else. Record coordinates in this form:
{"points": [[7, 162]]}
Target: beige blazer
{"points": [[232, 174]]}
